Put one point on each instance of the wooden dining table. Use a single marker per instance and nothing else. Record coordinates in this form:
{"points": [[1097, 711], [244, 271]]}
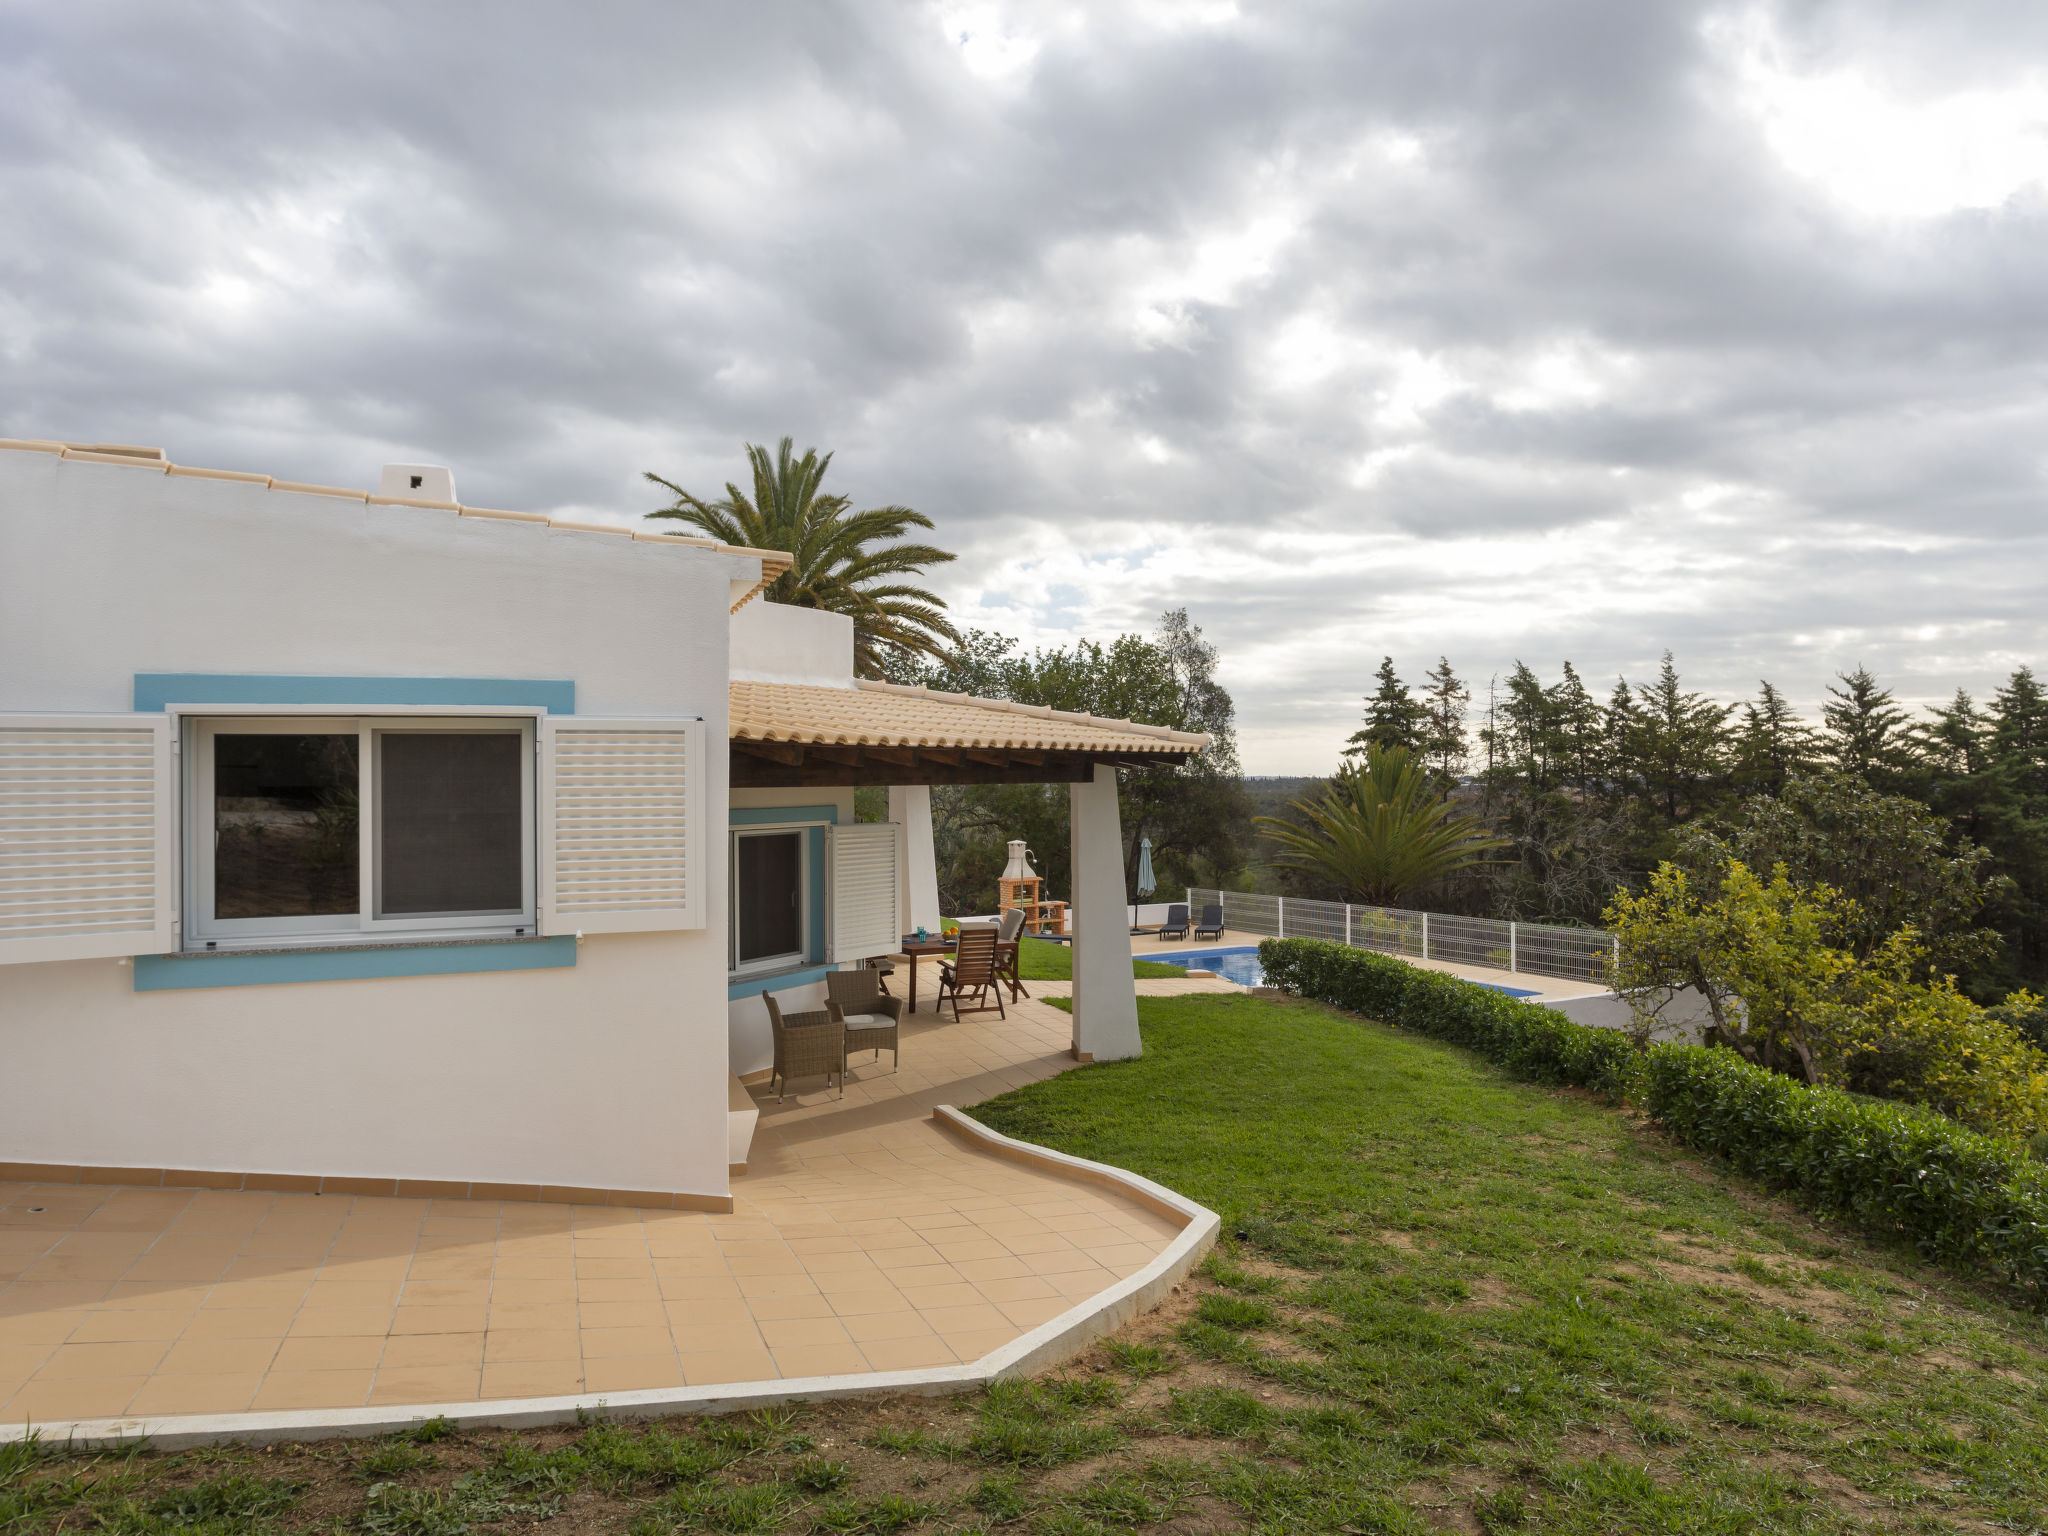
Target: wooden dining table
{"points": [[913, 949]]}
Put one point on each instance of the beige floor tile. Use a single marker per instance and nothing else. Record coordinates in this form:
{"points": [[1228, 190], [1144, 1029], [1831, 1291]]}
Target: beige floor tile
{"points": [[525, 1346], [927, 1298], [220, 1357], [533, 1293], [468, 1319], [1027, 1288], [762, 1308], [645, 1289], [888, 1325], [622, 1314], [522, 1267], [792, 1333], [715, 1366], [18, 1362], [631, 1373], [227, 1393], [75, 1362], [239, 1323], [340, 1322], [39, 1327], [820, 1360], [343, 1354], [426, 1384], [1030, 1313], [405, 1351], [523, 1317], [975, 1343], [352, 1293], [611, 1343], [907, 1354], [532, 1378], [43, 1401], [126, 1325]]}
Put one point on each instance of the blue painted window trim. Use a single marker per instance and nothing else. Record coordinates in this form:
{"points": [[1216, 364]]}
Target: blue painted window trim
{"points": [[270, 967], [814, 849], [155, 690], [780, 981]]}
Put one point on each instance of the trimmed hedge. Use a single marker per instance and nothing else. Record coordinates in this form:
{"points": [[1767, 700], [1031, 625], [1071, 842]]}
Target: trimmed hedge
{"points": [[1895, 1169], [1529, 1040]]}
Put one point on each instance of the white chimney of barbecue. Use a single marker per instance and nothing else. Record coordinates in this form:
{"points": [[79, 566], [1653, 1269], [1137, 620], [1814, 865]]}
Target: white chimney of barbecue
{"points": [[1019, 867], [417, 482]]}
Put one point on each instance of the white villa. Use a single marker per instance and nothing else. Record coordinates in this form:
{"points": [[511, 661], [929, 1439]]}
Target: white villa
{"points": [[372, 843]]}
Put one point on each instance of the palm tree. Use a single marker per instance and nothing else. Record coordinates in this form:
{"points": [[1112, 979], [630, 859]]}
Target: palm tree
{"points": [[1380, 829], [834, 566]]}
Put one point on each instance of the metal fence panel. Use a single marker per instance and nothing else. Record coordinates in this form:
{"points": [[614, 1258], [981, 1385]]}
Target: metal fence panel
{"points": [[1540, 949]]}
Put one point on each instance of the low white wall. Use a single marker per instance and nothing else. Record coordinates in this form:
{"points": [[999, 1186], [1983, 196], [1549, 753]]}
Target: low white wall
{"points": [[585, 1076], [778, 643]]}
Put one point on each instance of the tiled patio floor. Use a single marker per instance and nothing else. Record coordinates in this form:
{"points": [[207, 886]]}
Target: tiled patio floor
{"points": [[863, 1239]]}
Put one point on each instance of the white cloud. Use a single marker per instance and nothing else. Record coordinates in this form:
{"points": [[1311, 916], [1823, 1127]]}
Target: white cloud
{"points": [[1875, 148]]}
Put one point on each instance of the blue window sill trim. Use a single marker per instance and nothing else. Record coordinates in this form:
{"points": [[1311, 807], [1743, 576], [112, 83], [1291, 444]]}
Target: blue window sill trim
{"points": [[779, 981], [354, 962], [157, 690]]}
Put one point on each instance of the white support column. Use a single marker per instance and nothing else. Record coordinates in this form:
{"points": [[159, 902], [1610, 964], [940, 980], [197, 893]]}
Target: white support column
{"points": [[910, 806], [1105, 997]]}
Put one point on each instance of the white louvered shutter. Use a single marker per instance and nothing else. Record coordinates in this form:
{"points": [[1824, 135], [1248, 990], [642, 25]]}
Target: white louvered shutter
{"points": [[862, 887], [621, 825], [86, 819]]}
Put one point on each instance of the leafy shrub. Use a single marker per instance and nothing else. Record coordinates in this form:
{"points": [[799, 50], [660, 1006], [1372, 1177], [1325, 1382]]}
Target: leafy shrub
{"points": [[1529, 1040], [1896, 1168]]}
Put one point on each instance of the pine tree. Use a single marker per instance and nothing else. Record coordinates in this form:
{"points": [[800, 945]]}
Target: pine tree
{"points": [[1773, 744], [1865, 729], [1576, 720], [1681, 744], [1444, 698], [1392, 717]]}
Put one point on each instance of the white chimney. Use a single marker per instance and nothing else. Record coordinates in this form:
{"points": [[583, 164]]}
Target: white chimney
{"points": [[420, 482], [1019, 867]]}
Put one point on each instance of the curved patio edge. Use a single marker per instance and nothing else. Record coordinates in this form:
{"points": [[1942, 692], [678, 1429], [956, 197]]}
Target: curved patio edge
{"points": [[1048, 1344]]}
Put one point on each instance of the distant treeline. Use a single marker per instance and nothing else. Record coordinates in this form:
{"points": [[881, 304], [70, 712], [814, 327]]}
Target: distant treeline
{"points": [[1593, 793]]}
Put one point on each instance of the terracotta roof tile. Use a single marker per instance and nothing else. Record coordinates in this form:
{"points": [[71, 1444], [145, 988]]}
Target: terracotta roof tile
{"points": [[889, 715]]}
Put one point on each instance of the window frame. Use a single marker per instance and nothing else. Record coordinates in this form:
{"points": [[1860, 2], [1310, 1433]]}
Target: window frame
{"points": [[792, 960], [202, 931]]}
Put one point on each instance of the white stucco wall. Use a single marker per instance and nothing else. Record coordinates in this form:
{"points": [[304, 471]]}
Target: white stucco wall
{"points": [[611, 1074], [778, 643]]}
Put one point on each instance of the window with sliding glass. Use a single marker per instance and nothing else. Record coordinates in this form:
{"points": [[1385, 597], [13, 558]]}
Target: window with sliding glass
{"points": [[323, 830]]}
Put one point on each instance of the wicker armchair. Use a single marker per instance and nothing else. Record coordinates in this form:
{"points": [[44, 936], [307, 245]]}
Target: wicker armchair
{"points": [[871, 1017], [806, 1044]]}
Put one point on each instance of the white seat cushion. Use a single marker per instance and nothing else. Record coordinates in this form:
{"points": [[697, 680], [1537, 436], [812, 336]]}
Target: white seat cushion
{"points": [[868, 1020]]}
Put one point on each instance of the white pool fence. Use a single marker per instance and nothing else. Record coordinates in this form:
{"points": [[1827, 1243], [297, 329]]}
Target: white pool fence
{"points": [[1539, 949]]}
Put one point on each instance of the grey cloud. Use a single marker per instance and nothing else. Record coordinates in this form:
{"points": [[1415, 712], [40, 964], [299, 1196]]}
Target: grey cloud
{"points": [[557, 246]]}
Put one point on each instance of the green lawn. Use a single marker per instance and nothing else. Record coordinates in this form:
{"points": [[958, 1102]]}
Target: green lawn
{"points": [[1040, 960], [1517, 1308], [1445, 1301]]}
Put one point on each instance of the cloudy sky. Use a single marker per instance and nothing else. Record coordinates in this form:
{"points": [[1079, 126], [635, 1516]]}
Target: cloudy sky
{"points": [[1495, 329]]}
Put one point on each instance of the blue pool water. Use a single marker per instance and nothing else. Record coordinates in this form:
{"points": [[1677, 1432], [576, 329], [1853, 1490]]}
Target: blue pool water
{"points": [[1242, 966], [1238, 965]]}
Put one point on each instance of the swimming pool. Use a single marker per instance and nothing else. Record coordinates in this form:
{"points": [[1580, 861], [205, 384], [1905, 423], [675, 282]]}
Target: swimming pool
{"points": [[1241, 965]]}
